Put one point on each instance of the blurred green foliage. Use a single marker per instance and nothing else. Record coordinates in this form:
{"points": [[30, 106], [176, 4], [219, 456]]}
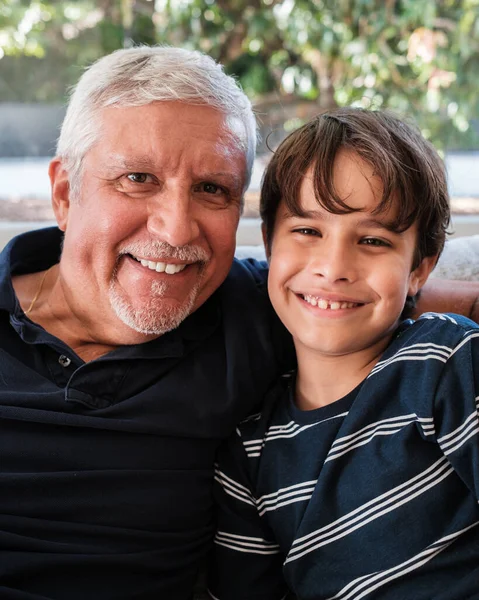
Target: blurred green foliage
{"points": [[293, 57]]}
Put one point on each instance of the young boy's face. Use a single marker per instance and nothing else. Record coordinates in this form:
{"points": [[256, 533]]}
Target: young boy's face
{"points": [[339, 282]]}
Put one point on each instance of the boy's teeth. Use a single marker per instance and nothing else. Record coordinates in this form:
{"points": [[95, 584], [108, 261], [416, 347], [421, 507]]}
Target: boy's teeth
{"points": [[321, 303], [325, 304], [161, 267]]}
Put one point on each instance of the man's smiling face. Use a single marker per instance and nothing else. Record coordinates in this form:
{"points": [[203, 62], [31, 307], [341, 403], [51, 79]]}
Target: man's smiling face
{"points": [[152, 234]]}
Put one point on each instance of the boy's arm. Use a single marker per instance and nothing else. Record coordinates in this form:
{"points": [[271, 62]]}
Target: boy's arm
{"points": [[456, 409], [443, 295], [246, 560]]}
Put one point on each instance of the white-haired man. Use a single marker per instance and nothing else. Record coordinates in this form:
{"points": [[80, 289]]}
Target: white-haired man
{"points": [[130, 345]]}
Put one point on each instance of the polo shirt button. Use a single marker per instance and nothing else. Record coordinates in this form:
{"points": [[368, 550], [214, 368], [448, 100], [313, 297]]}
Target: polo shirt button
{"points": [[64, 361]]}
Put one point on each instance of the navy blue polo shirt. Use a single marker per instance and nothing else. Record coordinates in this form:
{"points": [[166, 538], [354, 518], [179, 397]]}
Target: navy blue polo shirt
{"points": [[106, 467]]}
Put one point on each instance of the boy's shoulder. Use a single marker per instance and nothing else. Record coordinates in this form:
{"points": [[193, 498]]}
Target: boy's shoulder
{"points": [[431, 336], [437, 327], [453, 320]]}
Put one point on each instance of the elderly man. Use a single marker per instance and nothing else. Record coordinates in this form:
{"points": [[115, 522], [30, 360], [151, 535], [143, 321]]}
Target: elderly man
{"points": [[130, 345]]}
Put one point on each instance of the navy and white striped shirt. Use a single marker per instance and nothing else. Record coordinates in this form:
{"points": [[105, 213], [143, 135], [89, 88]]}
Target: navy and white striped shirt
{"points": [[373, 496]]}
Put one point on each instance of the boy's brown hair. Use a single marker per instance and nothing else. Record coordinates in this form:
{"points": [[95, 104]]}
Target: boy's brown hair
{"points": [[412, 173]]}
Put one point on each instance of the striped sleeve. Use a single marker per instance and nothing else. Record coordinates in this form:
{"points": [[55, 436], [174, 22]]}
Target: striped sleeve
{"points": [[456, 410], [247, 562]]}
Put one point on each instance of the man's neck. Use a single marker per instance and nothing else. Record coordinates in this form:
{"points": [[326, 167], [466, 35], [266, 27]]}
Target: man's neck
{"points": [[42, 296]]}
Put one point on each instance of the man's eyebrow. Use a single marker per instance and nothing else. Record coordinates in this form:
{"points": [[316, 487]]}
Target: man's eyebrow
{"points": [[235, 179], [145, 162], [207, 174], [121, 162]]}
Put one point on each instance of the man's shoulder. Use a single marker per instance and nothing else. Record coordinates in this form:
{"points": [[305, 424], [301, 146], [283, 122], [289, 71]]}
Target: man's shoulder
{"points": [[274, 411], [248, 271], [251, 327], [245, 287], [32, 251]]}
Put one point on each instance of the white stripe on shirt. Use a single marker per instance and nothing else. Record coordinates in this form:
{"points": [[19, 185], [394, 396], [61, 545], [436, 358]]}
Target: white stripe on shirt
{"points": [[242, 543], [355, 589], [371, 510]]}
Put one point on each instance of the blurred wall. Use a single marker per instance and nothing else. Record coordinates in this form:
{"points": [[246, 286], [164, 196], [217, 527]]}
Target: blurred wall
{"points": [[29, 129]]}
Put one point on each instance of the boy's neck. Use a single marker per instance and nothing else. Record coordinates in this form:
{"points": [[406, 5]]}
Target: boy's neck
{"points": [[322, 380]]}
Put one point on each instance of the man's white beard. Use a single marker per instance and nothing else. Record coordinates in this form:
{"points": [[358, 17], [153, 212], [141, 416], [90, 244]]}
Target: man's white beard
{"points": [[152, 318]]}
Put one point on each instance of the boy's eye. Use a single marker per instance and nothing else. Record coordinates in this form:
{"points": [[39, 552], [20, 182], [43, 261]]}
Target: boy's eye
{"points": [[306, 231], [374, 242]]}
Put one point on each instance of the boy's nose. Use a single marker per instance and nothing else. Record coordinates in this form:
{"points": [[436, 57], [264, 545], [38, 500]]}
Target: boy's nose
{"points": [[336, 264]]}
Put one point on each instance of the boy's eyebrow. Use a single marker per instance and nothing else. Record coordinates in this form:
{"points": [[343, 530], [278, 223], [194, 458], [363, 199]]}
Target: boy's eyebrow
{"points": [[303, 214], [376, 223], [379, 224]]}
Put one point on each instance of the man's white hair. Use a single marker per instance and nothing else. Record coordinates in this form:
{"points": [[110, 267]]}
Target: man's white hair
{"points": [[139, 76]]}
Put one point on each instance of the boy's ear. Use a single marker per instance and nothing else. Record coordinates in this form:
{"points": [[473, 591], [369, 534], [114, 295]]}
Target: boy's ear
{"points": [[419, 276], [60, 192]]}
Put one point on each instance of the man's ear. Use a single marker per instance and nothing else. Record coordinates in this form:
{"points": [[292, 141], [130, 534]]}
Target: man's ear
{"points": [[419, 276], [60, 192], [267, 248]]}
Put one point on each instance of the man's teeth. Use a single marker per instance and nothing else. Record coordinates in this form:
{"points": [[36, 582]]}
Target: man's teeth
{"points": [[161, 267], [324, 304]]}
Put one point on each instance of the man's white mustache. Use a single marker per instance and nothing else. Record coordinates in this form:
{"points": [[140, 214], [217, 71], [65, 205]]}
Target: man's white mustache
{"points": [[162, 251]]}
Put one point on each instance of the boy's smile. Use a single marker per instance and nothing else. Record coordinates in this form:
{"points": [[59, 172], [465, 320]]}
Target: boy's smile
{"points": [[329, 303], [339, 281]]}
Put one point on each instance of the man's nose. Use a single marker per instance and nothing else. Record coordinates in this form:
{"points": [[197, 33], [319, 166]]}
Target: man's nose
{"points": [[172, 218]]}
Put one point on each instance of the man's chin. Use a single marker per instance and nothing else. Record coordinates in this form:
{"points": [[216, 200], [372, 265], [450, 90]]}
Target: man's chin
{"points": [[154, 320]]}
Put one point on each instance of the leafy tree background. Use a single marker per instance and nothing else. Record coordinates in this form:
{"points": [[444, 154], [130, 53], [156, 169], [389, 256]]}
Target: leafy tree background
{"points": [[293, 57]]}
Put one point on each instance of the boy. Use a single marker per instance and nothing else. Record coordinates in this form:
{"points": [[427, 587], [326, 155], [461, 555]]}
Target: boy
{"points": [[360, 478]]}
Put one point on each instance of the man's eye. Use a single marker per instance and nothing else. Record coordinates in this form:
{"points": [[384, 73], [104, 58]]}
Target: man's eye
{"points": [[138, 177], [210, 188], [374, 242]]}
